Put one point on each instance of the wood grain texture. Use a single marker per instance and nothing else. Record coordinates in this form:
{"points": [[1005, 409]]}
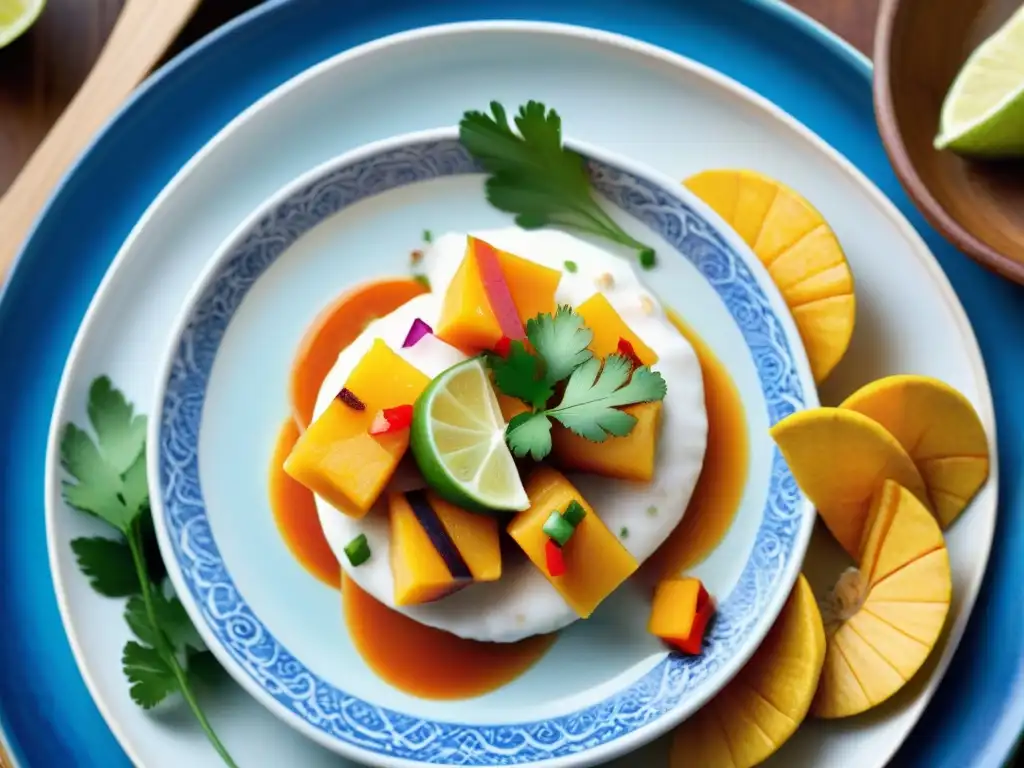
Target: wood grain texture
{"points": [[978, 205]]}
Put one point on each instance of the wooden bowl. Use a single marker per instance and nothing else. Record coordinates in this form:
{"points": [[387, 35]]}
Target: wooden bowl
{"points": [[919, 49]]}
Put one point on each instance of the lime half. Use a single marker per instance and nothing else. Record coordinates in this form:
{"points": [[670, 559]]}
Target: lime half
{"points": [[458, 439], [984, 110], [16, 16]]}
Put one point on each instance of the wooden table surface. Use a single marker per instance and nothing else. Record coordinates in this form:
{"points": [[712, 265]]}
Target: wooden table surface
{"points": [[40, 72]]}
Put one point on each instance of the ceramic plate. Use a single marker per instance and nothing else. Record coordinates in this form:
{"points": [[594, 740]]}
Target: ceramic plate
{"points": [[221, 395], [659, 98]]}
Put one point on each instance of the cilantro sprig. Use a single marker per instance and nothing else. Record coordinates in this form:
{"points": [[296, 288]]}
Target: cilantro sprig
{"points": [[534, 177], [594, 391], [167, 655]]}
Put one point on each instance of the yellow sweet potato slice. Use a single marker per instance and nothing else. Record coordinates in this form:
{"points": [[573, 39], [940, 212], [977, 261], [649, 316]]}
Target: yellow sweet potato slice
{"points": [[800, 251], [761, 708], [885, 618], [939, 429], [839, 458], [596, 563], [336, 457]]}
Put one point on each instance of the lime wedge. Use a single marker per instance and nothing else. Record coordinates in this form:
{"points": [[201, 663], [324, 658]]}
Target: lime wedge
{"points": [[984, 110], [458, 440], [16, 16]]}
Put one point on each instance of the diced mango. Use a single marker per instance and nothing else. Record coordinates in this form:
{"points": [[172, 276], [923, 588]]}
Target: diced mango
{"points": [[608, 326], [336, 457], [596, 563], [438, 548], [674, 615], [468, 320], [627, 458], [630, 457]]}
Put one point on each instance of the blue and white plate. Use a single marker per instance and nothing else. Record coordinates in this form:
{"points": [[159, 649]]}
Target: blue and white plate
{"points": [[219, 402], [669, 113]]}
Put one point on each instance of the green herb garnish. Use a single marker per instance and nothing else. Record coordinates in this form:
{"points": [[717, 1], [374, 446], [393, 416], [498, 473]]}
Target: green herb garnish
{"points": [[593, 393], [358, 550], [428, 236], [590, 406], [537, 179], [570, 266], [422, 280], [574, 513], [558, 529], [560, 342], [167, 655], [623, 532]]}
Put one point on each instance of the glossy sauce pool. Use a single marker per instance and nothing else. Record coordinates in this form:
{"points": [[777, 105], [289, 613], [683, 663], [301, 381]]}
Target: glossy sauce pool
{"points": [[716, 499], [383, 636]]}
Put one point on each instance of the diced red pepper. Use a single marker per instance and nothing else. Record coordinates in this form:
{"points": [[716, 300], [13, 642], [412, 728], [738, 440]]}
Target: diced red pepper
{"points": [[625, 349], [693, 643], [392, 420], [503, 347], [555, 558]]}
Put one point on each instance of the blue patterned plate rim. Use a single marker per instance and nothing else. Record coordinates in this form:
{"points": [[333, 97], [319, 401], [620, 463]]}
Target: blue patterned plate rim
{"points": [[652, 703]]}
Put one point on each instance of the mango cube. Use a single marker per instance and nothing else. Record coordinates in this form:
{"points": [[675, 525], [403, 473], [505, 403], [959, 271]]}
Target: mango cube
{"points": [[337, 458], [438, 548], [608, 326], [680, 613], [627, 458], [596, 563], [470, 321]]}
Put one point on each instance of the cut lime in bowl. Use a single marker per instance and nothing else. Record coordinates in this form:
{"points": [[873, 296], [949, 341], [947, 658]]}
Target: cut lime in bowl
{"points": [[458, 440], [983, 113], [16, 16]]}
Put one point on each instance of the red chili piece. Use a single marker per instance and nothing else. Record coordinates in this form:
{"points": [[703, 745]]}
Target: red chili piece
{"points": [[625, 349], [555, 558], [348, 397], [392, 420], [503, 347]]}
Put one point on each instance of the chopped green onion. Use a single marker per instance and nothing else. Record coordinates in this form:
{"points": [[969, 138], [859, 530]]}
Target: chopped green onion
{"points": [[558, 529], [652, 511], [428, 236], [647, 258], [624, 532], [570, 266], [422, 280], [574, 513], [358, 550]]}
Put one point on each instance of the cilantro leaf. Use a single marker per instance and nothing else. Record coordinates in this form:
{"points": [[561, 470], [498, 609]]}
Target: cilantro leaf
{"points": [[593, 395], [111, 485], [175, 622], [121, 434], [521, 374], [534, 177], [561, 341], [529, 434], [150, 674], [137, 618], [111, 471], [107, 563]]}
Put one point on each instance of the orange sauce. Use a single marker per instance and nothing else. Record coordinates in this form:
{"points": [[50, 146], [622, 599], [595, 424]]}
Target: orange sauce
{"points": [[335, 328], [414, 658], [295, 514], [719, 490], [428, 662]]}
